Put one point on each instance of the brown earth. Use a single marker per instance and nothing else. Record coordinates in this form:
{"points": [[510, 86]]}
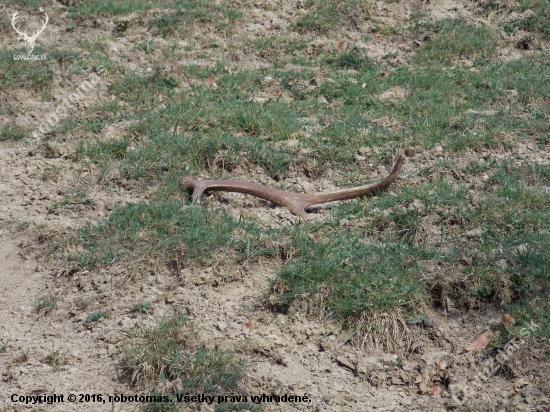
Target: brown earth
{"points": [[284, 353]]}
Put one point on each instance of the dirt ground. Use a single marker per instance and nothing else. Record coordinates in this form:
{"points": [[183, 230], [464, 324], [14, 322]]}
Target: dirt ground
{"points": [[283, 352]]}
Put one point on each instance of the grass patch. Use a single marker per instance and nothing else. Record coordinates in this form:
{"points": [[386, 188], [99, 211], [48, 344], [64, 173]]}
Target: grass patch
{"points": [[73, 200], [45, 305], [531, 267], [540, 22], [325, 15], [346, 277], [349, 59], [211, 128], [180, 22], [12, 132], [113, 7], [518, 207], [166, 231], [447, 41], [219, 129], [4, 345], [141, 90], [141, 307], [529, 272], [170, 358], [19, 74], [95, 316], [536, 23], [22, 358], [57, 358]]}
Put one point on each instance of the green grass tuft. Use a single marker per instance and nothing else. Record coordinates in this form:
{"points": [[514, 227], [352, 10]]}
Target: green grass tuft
{"points": [[45, 304], [12, 132], [141, 307], [165, 230], [180, 22], [348, 277], [170, 357], [111, 8], [324, 15], [16, 74], [95, 316], [448, 41]]}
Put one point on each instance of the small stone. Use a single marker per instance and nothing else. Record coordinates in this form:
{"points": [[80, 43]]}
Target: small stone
{"points": [[221, 326], [474, 233], [502, 264], [366, 366], [521, 248], [328, 396], [344, 361], [292, 142], [260, 99]]}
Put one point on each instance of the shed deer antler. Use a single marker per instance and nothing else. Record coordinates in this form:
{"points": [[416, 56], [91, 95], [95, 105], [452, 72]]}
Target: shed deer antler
{"points": [[30, 40], [295, 202]]}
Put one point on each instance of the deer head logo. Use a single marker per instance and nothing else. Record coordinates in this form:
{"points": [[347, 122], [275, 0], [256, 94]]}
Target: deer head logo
{"points": [[30, 40]]}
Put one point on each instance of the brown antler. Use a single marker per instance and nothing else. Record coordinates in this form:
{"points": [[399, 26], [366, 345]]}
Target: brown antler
{"points": [[295, 202]]}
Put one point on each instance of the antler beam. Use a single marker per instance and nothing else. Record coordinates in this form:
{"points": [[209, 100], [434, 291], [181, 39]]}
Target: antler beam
{"points": [[295, 202]]}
